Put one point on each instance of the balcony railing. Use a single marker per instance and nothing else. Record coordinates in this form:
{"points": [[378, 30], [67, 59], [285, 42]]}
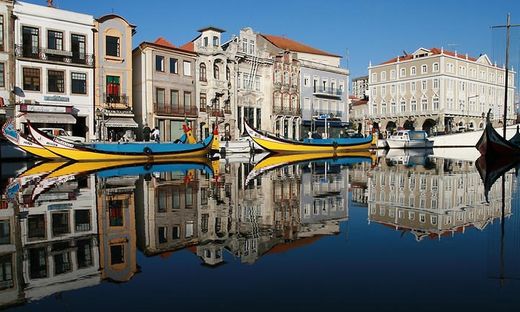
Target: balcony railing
{"points": [[328, 91], [215, 112], [287, 111], [164, 109], [331, 114], [52, 55], [115, 101], [227, 109]]}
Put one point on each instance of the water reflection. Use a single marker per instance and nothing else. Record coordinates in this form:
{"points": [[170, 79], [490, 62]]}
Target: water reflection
{"points": [[70, 226]]}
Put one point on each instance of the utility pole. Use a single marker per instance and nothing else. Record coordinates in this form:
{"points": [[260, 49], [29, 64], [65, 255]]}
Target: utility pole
{"points": [[507, 26]]}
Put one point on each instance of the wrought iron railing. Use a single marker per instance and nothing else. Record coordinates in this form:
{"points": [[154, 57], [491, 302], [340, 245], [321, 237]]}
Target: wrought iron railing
{"points": [[53, 55]]}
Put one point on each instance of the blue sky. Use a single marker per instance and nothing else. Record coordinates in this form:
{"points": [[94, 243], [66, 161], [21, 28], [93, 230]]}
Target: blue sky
{"points": [[371, 30]]}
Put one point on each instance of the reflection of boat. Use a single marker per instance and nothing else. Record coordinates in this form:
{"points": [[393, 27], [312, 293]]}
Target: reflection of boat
{"points": [[492, 143], [492, 168], [273, 143], [135, 151], [409, 139], [25, 143], [118, 169], [408, 157], [273, 161], [33, 174]]}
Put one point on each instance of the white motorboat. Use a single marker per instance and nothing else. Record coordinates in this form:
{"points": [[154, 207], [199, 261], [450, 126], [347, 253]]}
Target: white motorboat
{"points": [[409, 139]]}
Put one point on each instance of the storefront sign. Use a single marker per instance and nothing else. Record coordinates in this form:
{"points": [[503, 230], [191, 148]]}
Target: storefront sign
{"points": [[61, 206], [45, 108], [56, 98]]}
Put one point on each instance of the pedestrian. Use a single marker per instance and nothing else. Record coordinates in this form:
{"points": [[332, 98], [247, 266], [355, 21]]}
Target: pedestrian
{"points": [[146, 133], [156, 134]]}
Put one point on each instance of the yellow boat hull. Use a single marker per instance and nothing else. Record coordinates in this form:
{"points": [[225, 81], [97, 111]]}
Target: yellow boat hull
{"points": [[84, 155], [284, 147], [40, 152]]}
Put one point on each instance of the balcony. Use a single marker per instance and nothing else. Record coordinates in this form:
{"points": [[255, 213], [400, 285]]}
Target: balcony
{"points": [[114, 101], [328, 92], [287, 111], [168, 110], [54, 56]]}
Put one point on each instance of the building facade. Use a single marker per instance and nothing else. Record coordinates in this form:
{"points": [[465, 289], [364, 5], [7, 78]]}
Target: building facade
{"points": [[214, 74], [6, 57], [54, 65], [360, 88], [164, 87], [113, 78], [438, 91]]}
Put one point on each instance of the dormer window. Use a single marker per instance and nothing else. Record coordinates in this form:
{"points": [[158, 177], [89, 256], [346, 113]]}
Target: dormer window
{"points": [[215, 41], [244, 45], [205, 41]]}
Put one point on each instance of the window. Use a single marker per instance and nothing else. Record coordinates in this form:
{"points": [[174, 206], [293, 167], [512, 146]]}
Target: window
{"points": [[202, 72], [115, 212], [5, 234], [412, 86], [79, 83], [2, 75], [435, 67], [159, 63], [374, 78], [424, 69], [1, 33], [435, 101], [424, 104], [216, 72], [403, 72], [82, 220], [402, 88], [203, 101], [173, 65], [117, 254], [55, 40], [174, 98], [392, 74], [160, 96], [56, 81], [412, 71], [206, 41], [413, 104], [187, 99], [30, 41], [383, 76], [251, 47], [215, 41], [403, 105], [78, 47], [186, 68], [113, 89], [244, 45], [60, 223], [112, 46], [424, 85], [436, 84]]}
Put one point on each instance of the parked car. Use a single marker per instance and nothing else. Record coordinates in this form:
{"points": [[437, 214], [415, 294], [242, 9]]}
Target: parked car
{"points": [[62, 134]]}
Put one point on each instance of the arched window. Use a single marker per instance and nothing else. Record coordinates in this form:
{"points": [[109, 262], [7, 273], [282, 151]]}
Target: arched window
{"points": [[216, 72], [202, 69]]}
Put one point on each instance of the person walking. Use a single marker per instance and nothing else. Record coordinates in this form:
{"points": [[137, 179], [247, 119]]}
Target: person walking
{"points": [[156, 134], [146, 133]]}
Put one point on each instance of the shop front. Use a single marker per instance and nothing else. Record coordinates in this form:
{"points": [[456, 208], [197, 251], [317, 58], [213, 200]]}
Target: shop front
{"points": [[50, 116], [114, 126]]}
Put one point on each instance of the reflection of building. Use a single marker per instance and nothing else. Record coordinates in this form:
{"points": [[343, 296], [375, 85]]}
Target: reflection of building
{"points": [[437, 90], [433, 202], [358, 183], [116, 224], [113, 80], [59, 240], [164, 87], [54, 68]]}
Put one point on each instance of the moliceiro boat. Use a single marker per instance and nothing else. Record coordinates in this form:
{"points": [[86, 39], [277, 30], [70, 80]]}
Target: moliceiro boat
{"points": [[409, 139], [26, 143], [276, 144], [492, 144], [138, 151]]}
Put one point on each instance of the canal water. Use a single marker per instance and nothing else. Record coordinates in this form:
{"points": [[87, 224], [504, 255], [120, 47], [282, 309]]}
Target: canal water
{"points": [[403, 231]]}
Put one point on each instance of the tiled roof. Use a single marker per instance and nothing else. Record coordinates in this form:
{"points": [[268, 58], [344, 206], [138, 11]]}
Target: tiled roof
{"points": [[360, 102], [190, 46], [433, 51], [291, 45], [163, 42]]}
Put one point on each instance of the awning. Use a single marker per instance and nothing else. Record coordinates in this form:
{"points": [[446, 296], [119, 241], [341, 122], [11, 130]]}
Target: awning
{"points": [[120, 122], [48, 118], [330, 123]]}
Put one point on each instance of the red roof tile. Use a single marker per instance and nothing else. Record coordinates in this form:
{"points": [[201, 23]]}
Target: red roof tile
{"points": [[291, 45], [190, 46], [433, 51], [163, 42]]}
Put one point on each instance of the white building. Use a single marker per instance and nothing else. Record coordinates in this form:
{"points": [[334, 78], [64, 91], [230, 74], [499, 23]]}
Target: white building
{"points": [[54, 66], [438, 91], [6, 70]]}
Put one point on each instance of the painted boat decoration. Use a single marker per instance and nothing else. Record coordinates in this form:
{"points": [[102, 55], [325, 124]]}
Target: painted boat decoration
{"points": [[137, 151], [25, 143], [493, 144], [273, 161], [275, 144]]}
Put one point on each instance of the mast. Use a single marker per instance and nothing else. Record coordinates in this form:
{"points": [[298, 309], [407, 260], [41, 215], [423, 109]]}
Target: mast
{"points": [[508, 27]]}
